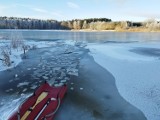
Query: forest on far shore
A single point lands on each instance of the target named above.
(79, 24)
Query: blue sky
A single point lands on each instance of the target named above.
(133, 10)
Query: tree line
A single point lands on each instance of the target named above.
(28, 23)
(76, 24)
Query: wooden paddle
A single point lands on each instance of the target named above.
(39, 99)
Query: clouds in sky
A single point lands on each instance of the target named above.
(32, 11)
(73, 5)
(44, 11)
(72, 9)
(40, 10)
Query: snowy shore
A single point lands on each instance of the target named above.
(136, 73)
(16, 53)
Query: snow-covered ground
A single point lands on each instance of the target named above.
(15, 54)
(137, 75)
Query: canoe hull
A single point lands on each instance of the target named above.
(45, 108)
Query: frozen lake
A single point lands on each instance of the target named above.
(132, 58)
(85, 36)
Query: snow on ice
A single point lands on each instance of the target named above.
(137, 75)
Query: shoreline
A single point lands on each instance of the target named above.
(127, 30)
(85, 30)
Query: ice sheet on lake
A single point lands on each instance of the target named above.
(70, 42)
(121, 51)
(137, 76)
(22, 84)
(72, 71)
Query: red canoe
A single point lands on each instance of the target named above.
(42, 105)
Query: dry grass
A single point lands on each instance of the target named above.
(136, 29)
(119, 29)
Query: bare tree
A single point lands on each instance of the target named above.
(84, 25)
(16, 39)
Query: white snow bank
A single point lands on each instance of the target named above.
(15, 56)
(137, 76)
